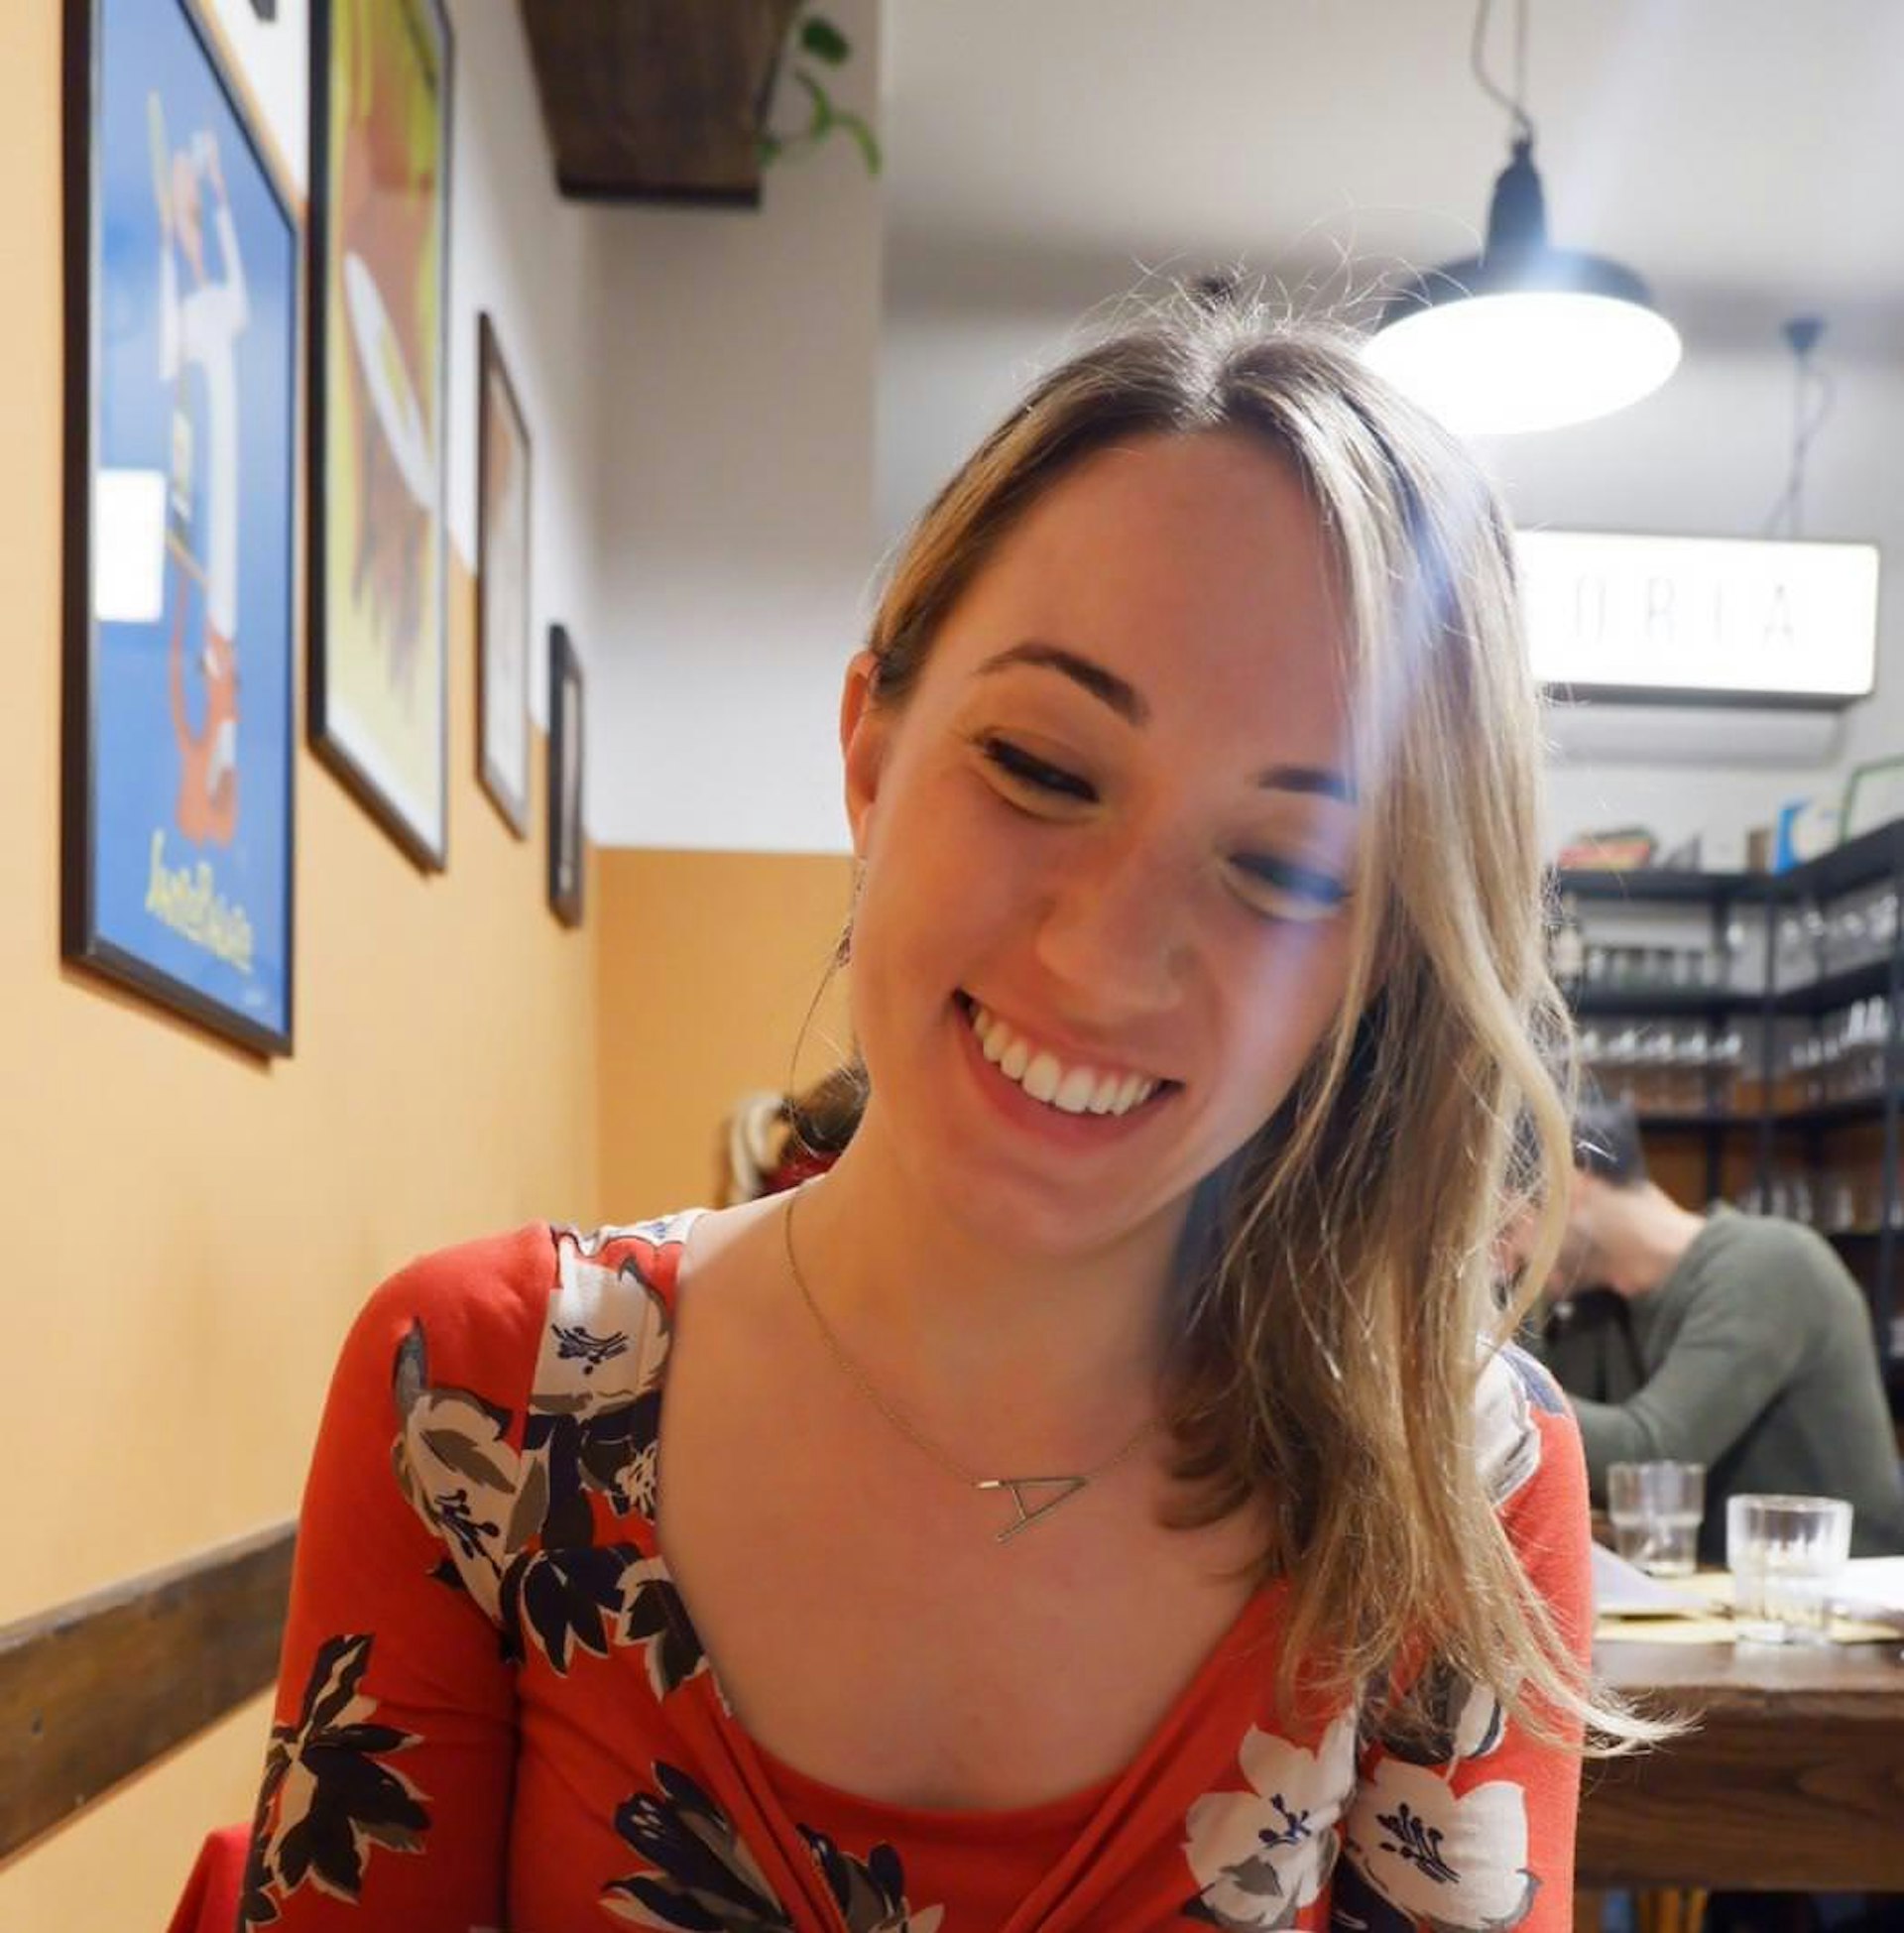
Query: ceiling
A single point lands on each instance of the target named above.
(1745, 156)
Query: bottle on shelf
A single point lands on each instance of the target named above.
(1567, 946)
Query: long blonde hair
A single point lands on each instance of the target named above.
(1338, 1284)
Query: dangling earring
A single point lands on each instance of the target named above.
(844, 951)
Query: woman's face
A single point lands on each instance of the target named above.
(1113, 830)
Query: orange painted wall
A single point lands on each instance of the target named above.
(708, 963)
(188, 1229)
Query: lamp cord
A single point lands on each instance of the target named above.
(1812, 394)
(1477, 61)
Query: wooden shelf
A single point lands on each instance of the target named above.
(657, 101)
(1649, 885)
(1608, 1002)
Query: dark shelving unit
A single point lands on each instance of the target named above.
(1873, 859)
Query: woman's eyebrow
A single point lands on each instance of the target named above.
(1121, 696)
(1129, 705)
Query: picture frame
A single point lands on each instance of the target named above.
(184, 289)
(567, 734)
(381, 89)
(1873, 796)
(504, 504)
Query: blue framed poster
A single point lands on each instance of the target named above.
(182, 305)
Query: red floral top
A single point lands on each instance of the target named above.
(494, 1711)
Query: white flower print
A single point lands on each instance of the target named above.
(1261, 1856)
(606, 1339)
(1456, 1862)
(459, 1474)
(1507, 1438)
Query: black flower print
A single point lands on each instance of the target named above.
(657, 1618)
(325, 1801)
(1354, 1906)
(564, 1597)
(605, 1452)
(703, 1875)
(1454, 1718)
(590, 1350)
(870, 1892)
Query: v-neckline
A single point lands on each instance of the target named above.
(882, 1817)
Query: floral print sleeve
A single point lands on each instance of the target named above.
(1472, 1829)
(396, 1712)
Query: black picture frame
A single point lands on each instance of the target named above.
(229, 977)
(568, 846)
(501, 661)
(347, 746)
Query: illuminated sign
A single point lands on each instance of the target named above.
(1700, 619)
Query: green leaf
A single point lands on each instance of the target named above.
(822, 39)
(823, 116)
(868, 141)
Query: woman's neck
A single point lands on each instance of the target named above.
(1011, 1356)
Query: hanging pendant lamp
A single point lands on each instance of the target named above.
(1523, 335)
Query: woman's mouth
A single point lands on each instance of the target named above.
(1057, 1086)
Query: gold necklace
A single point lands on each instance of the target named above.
(1064, 1488)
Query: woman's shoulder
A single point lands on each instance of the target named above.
(503, 1297)
(1522, 1422)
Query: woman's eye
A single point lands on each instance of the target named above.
(1285, 888)
(1020, 766)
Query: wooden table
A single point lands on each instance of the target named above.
(1793, 1781)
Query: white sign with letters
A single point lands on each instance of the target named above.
(1701, 617)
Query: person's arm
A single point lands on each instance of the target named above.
(385, 1800)
(170, 328)
(233, 262)
(1472, 1830)
(1735, 1350)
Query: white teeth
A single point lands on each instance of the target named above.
(1076, 1090)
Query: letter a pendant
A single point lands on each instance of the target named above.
(1066, 1487)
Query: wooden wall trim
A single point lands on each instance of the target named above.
(95, 1690)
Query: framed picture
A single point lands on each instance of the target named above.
(380, 96)
(183, 299)
(1873, 796)
(565, 778)
(502, 586)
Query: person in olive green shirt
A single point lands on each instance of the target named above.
(1740, 1342)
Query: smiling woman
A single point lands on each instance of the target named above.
(1102, 1498)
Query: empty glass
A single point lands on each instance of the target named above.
(1655, 1510)
(1783, 1553)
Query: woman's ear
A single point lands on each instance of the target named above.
(863, 732)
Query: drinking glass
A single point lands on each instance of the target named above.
(1783, 1553)
(1655, 1510)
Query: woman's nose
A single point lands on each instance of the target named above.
(1117, 931)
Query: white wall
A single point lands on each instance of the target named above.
(737, 368)
(273, 58)
(536, 263)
